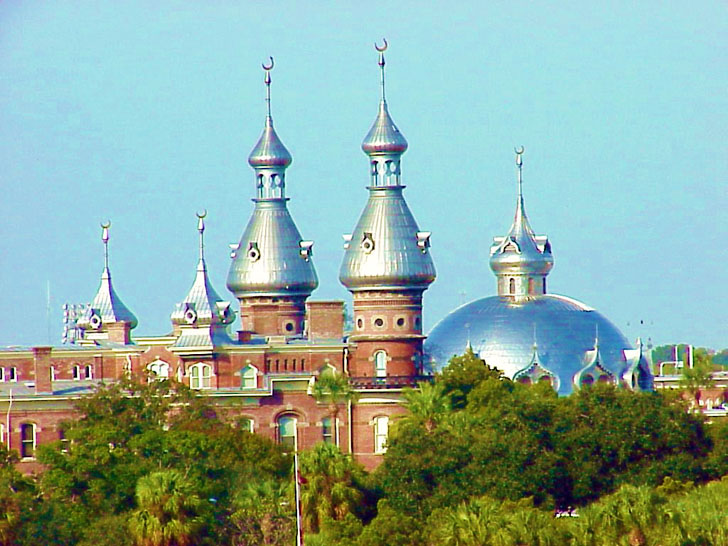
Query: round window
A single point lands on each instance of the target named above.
(359, 323)
(400, 322)
(289, 327)
(378, 322)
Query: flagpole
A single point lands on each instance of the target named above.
(299, 530)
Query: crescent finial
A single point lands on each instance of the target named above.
(520, 150)
(106, 225)
(269, 67)
(383, 48)
(202, 214)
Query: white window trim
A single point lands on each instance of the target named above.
(156, 368)
(199, 368)
(34, 428)
(380, 372)
(249, 372)
(380, 437)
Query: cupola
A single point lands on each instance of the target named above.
(107, 318)
(202, 317)
(521, 260)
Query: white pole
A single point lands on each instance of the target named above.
(299, 534)
(7, 419)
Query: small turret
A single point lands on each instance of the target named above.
(521, 260)
(272, 273)
(202, 318)
(107, 318)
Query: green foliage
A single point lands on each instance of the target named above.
(332, 486)
(464, 373)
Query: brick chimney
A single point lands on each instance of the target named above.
(325, 319)
(42, 366)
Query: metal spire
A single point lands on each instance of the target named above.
(381, 50)
(267, 80)
(520, 211)
(201, 228)
(105, 238)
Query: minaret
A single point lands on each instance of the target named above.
(107, 318)
(387, 264)
(272, 273)
(201, 320)
(521, 260)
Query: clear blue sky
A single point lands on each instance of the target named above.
(145, 112)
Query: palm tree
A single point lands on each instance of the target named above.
(264, 513)
(427, 405)
(169, 511)
(333, 389)
(330, 485)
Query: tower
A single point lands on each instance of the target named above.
(387, 264)
(521, 260)
(201, 320)
(272, 273)
(107, 318)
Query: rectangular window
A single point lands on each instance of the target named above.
(287, 432)
(327, 430)
(27, 440)
(381, 427)
(2, 374)
(13, 376)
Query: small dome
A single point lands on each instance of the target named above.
(384, 136)
(501, 332)
(269, 151)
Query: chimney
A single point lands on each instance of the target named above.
(42, 365)
(325, 319)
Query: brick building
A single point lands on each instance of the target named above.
(263, 374)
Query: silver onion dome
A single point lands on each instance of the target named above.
(501, 332)
(271, 258)
(106, 308)
(387, 250)
(269, 151)
(384, 137)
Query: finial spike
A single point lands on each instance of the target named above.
(201, 228)
(381, 50)
(105, 238)
(267, 80)
(519, 165)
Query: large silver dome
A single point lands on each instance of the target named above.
(502, 331)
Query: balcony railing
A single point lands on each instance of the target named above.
(389, 382)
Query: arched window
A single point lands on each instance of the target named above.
(249, 377)
(588, 379)
(76, 372)
(53, 373)
(327, 430)
(381, 429)
(512, 286)
(287, 436)
(27, 440)
(2, 374)
(89, 372)
(380, 364)
(13, 375)
(544, 285)
(200, 375)
(159, 369)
